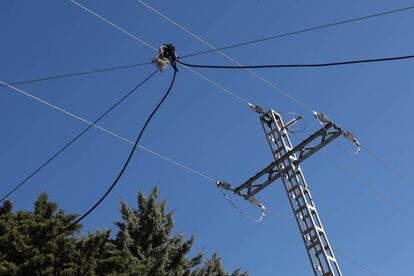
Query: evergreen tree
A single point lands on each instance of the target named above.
(143, 245)
(23, 230)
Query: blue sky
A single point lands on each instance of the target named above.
(210, 131)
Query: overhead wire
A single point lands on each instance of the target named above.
(51, 158)
(118, 136)
(370, 188)
(74, 74)
(387, 164)
(340, 252)
(229, 46)
(315, 28)
(114, 25)
(338, 63)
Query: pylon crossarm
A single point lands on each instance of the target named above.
(305, 149)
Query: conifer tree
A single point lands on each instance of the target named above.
(143, 244)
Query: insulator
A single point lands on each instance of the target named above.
(350, 137)
(224, 185)
(321, 117)
(254, 201)
(256, 108)
(293, 121)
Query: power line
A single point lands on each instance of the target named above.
(50, 159)
(371, 188)
(219, 86)
(121, 172)
(77, 117)
(350, 259)
(79, 73)
(301, 31)
(388, 165)
(114, 25)
(225, 47)
(348, 62)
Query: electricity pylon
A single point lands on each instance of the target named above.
(287, 167)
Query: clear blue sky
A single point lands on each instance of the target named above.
(210, 131)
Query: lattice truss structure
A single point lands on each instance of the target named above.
(287, 167)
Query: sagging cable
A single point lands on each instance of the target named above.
(323, 120)
(223, 186)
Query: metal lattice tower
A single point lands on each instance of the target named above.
(287, 164)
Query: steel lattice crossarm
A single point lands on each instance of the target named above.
(312, 144)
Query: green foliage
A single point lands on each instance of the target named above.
(143, 245)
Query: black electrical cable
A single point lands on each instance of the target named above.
(76, 138)
(117, 178)
(80, 73)
(297, 65)
(300, 31)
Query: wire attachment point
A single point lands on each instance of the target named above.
(224, 186)
(256, 108)
(322, 118)
(166, 55)
(350, 137)
(228, 187)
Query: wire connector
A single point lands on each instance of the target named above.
(322, 118)
(256, 202)
(256, 108)
(166, 55)
(252, 200)
(224, 186)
